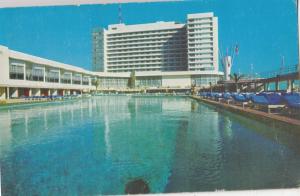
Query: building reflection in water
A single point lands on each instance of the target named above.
(228, 127)
(106, 136)
(198, 149)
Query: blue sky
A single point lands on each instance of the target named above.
(264, 29)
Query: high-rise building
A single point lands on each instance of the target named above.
(160, 46)
(202, 42)
(98, 50)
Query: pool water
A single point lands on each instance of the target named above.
(174, 144)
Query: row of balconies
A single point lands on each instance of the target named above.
(147, 58)
(146, 65)
(200, 65)
(200, 36)
(197, 40)
(161, 50)
(148, 33)
(200, 20)
(200, 49)
(160, 68)
(145, 48)
(178, 64)
(195, 57)
(201, 60)
(146, 53)
(200, 33)
(159, 36)
(148, 44)
(199, 29)
(145, 62)
(197, 44)
(148, 40)
(200, 25)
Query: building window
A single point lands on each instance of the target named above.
(66, 78)
(52, 76)
(16, 72)
(37, 74)
(85, 81)
(76, 79)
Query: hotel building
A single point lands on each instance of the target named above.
(160, 46)
(162, 54)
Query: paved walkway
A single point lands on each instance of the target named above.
(260, 115)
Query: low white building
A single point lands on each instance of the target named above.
(24, 75)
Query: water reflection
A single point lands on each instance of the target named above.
(198, 152)
(98, 145)
(228, 127)
(106, 136)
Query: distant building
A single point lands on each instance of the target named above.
(160, 46)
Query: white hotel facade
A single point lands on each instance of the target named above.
(162, 54)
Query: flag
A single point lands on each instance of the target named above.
(236, 49)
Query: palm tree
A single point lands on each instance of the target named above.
(236, 78)
(97, 84)
(193, 89)
(131, 81)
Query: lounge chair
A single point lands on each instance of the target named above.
(227, 97)
(218, 96)
(292, 101)
(269, 101)
(240, 98)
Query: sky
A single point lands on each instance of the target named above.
(265, 30)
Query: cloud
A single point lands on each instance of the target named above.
(29, 3)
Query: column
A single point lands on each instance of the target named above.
(44, 74)
(276, 85)
(15, 93)
(24, 71)
(266, 86)
(59, 76)
(7, 93)
(289, 86)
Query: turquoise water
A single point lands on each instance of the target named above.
(175, 144)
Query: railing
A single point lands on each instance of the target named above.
(271, 74)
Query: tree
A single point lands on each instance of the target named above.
(193, 89)
(131, 81)
(97, 84)
(236, 78)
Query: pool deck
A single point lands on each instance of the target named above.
(20, 101)
(9, 102)
(259, 115)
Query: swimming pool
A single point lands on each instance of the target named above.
(174, 144)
